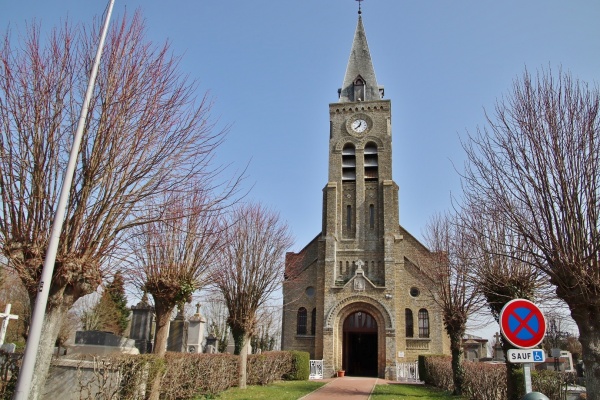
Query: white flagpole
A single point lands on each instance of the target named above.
(39, 311)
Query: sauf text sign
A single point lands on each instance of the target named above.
(517, 356)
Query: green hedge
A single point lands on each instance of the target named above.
(300, 366)
(423, 370)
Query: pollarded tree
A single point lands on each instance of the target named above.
(537, 163)
(171, 257)
(146, 133)
(250, 270)
(501, 273)
(449, 271)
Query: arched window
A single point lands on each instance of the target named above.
(371, 216)
(359, 89)
(301, 321)
(371, 162)
(313, 322)
(349, 162)
(408, 316)
(423, 323)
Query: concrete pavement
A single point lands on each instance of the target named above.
(346, 388)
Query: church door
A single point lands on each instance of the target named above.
(360, 345)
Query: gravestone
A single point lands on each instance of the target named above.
(102, 343)
(141, 325)
(212, 341)
(196, 332)
(498, 352)
(178, 333)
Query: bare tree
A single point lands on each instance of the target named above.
(537, 163)
(146, 134)
(171, 257)
(451, 285)
(501, 273)
(250, 270)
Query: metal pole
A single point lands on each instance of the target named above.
(39, 311)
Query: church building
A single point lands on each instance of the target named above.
(355, 296)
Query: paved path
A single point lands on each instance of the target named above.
(346, 388)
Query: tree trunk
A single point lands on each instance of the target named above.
(591, 359)
(589, 336)
(241, 340)
(458, 370)
(243, 372)
(513, 392)
(52, 322)
(163, 320)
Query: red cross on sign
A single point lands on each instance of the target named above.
(522, 323)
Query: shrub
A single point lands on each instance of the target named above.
(10, 364)
(182, 375)
(423, 368)
(551, 383)
(267, 367)
(190, 375)
(484, 381)
(438, 370)
(300, 366)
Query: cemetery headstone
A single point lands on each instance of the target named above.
(141, 325)
(196, 332)
(178, 333)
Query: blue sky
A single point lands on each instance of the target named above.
(272, 68)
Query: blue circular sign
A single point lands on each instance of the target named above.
(522, 323)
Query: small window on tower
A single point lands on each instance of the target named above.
(371, 216)
(359, 89)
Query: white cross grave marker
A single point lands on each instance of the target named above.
(5, 316)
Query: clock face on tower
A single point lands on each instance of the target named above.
(359, 124)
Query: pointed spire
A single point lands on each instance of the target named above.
(360, 83)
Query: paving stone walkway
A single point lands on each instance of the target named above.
(346, 388)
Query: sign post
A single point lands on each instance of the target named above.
(523, 324)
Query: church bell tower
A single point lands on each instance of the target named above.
(353, 296)
(360, 199)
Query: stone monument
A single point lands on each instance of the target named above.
(141, 325)
(196, 332)
(178, 333)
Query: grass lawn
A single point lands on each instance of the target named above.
(409, 392)
(288, 390)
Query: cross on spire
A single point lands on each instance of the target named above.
(359, 6)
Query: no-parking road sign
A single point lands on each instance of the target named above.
(522, 323)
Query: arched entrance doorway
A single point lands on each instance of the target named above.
(360, 344)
